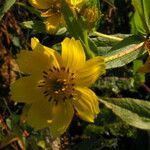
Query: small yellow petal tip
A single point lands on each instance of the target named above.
(34, 42)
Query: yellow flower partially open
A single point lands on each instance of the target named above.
(51, 10)
(57, 86)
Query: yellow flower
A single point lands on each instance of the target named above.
(51, 10)
(57, 86)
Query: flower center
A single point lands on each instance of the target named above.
(58, 84)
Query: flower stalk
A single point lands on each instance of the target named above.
(109, 37)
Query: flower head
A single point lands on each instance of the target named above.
(51, 10)
(91, 15)
(57, 86)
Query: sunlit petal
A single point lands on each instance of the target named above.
(62, 115)
(86, 104)
(90, 72)
(38, 60)
(40, 115)
(73, 55)
(56, 58)
(76, 3)
(25, 90)
(40, 4)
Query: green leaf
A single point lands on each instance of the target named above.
(103, 45)
(125, 52)
(115, 84)
(92, 46)
(140, 20)
(73, 26)
(139, 77)
(136, 65)
(16, 41)
(133, 111)
(36, 26)
(5, 7)
(30, 9)
(61, 31)
(146, 7)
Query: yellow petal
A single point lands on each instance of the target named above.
(40, 115)
(41, 4)
(62, 115)
(38, 47)
(76, 3)
(90, 72)
(25, 90)
(33, 62)
(54, 22)
(25, 110)
(146, 67)
(86, 104)
(38, 60)
(73, 55)
(49, 13)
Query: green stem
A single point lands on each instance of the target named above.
(109, 37)
(5, 102)
(88, 51)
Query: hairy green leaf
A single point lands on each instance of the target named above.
(133, 111)
(5, 7)
(124, 52)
